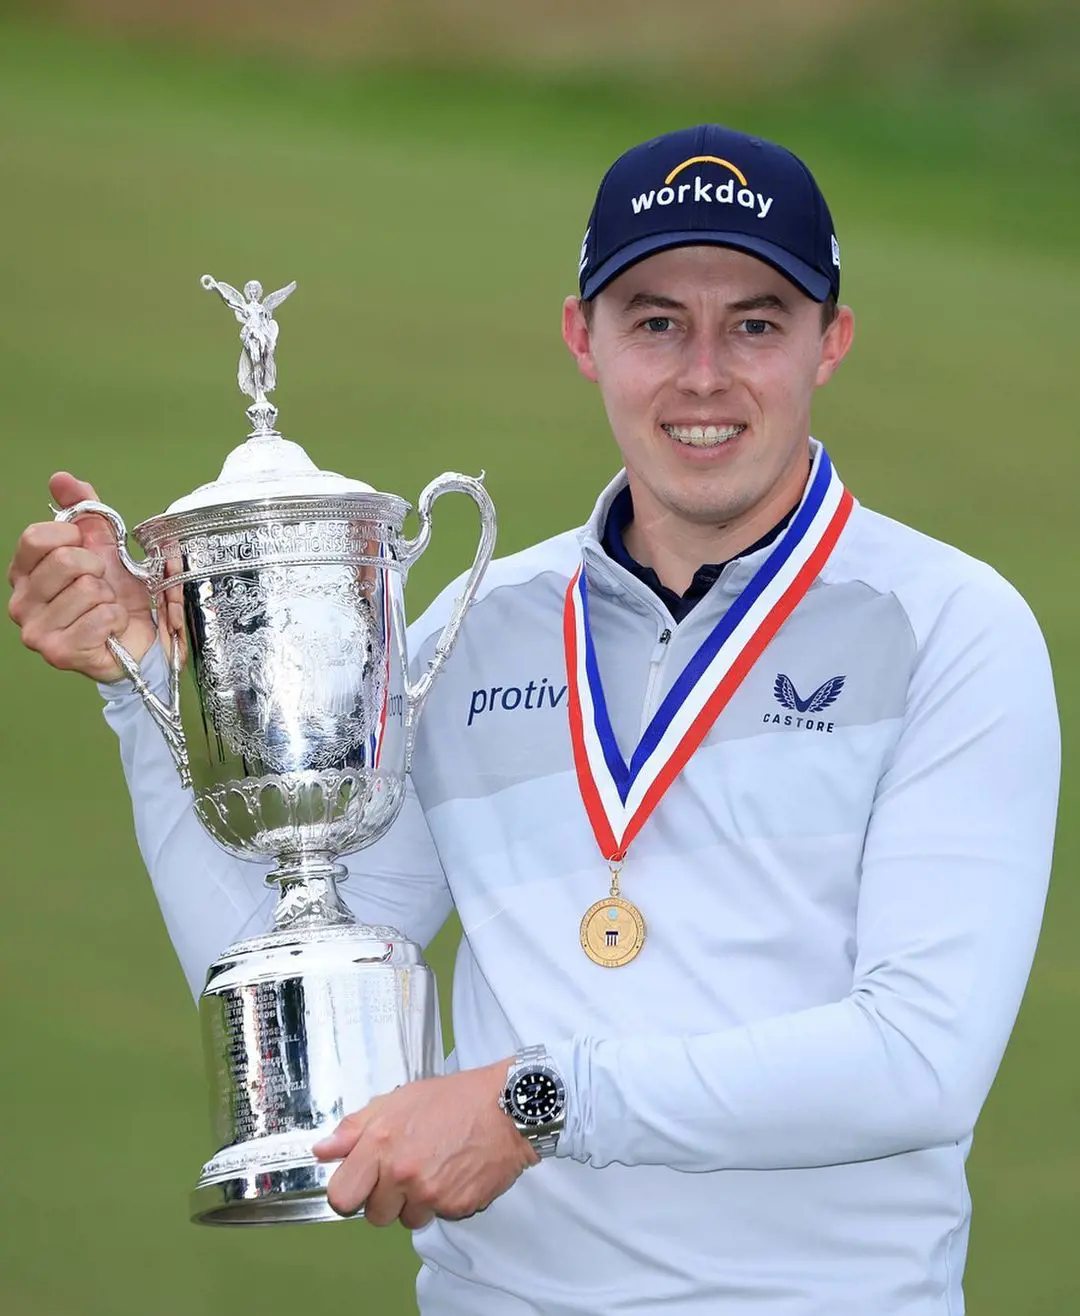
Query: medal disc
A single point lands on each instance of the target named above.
(612, 932)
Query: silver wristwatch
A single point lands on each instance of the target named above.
(535, 1099)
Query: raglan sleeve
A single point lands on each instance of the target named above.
(208, 898)
(954, 876)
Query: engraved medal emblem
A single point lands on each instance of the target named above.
(612, 932)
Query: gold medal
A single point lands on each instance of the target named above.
(612, 930)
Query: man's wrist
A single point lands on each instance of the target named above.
(534, 1097)
(154, 671)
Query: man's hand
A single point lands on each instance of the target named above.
(437, 1147)
(70, 591)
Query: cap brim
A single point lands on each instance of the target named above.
(816, 285)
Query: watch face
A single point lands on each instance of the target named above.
(537, 1096)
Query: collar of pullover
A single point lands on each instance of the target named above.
(612, 570)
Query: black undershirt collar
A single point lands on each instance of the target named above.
(619, 516)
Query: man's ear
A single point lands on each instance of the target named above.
(835, 344)
(576, 336)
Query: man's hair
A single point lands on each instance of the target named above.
(828, 312)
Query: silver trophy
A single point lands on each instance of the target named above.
(293, 722)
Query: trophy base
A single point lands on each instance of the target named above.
(301, 1027)
(292, 1196)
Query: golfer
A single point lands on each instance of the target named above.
(745, 797)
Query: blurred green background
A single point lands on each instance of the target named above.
(425, 171)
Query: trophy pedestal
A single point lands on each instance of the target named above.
(302, 1027)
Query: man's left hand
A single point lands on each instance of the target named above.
(436, 1147)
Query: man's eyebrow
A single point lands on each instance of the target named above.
(653, 301)
(764, 301)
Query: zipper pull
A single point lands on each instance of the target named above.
(665, 635)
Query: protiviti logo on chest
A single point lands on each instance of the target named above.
(511, 698)
(706, 185)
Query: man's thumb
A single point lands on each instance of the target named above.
(66, 490)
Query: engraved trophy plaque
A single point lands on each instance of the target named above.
(293, 722)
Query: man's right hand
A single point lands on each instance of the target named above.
(70, 591)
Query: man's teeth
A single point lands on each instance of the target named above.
(702, 436)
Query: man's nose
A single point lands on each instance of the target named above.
(705, 367)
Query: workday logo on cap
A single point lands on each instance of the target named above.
(699, 190)
(714, 186)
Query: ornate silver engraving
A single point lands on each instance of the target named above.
(360, 530)
(325, 812)
(261, 1156)
(311, 904)
(354, 934)
(293, 668)
(377, 516)
(330, 543)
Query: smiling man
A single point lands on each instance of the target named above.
(752, 866)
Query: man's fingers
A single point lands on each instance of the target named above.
(384, 1204)
(171, 602)
(338, 1144)
(78, 647)
(70, 592)
(89, 633)
(82, 596)
(64, 567)
(66, 490)
(416, 1217)
(174, 615)
(351, 1184)
(37, 542)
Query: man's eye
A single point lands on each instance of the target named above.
(756, 328)
(658, 324)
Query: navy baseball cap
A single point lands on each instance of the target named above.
(715, 186)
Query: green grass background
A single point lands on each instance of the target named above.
(433, 223)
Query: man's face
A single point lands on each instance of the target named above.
(707, 360)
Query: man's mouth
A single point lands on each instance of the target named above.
(703, 436)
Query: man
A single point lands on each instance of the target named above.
(745, 797)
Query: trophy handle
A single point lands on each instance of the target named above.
(166, 716)
(416, 694)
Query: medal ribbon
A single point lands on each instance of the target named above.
(620, 796)
(383, 593)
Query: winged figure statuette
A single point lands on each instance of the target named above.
(257, 373)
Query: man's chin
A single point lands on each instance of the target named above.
(713, 508)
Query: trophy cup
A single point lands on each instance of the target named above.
(293, 723)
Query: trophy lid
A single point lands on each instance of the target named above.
(266, 465)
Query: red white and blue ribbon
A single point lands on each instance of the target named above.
(620, 796)
(378, 733)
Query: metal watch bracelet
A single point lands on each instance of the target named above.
(545, 1144)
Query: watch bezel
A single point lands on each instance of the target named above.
(511, 1107)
